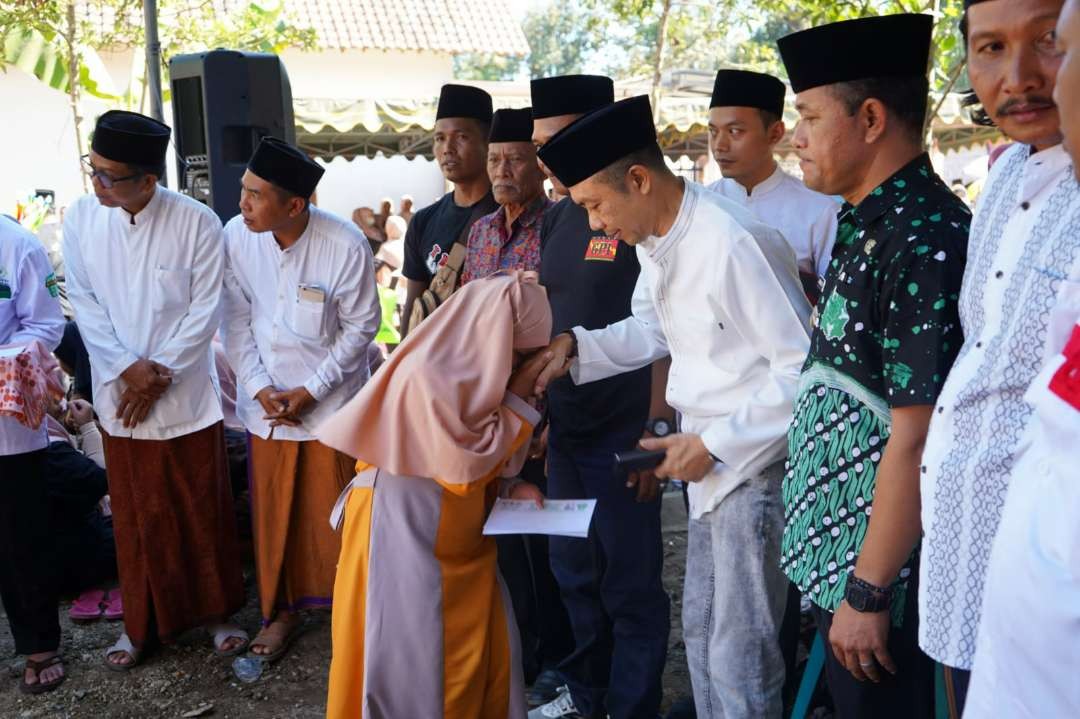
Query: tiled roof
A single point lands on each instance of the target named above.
(443, 26)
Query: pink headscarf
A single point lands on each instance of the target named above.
(435, 409)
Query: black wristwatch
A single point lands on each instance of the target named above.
(864, 597)
(660, 427)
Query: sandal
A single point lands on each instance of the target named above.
(123, 644)
(114, 605)
(294, 631)
(40, 687)
(87, 607)
(223, 633)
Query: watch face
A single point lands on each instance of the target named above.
(661, 427)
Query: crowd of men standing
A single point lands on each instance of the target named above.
(872, 396)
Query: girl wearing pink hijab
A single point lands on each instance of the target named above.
(422, 625)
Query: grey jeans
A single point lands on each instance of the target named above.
(733, 603)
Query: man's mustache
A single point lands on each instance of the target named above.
(1010, 105)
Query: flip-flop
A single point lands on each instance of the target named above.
(87, 607)
(123, 644)
(278, 653)
(114, 605)
(221, 633)
(41, 687)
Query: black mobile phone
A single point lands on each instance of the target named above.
(637, 460)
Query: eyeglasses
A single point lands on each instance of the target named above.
(107, 181)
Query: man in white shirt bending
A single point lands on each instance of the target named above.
(301, 311)
(719, 292)
(745, 124)
(144, 271)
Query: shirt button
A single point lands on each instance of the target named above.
(1025, 205)
(940, 410)
(978, 345)
(923, 469)
(999, 274)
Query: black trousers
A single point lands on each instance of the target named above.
(546, 638)
(909, 694)
(27, 587)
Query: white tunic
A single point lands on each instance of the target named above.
(29, 310)
(276, 335)
(805, 218)
(148, 289)
(1024, 238)
(721, 293)
(1029, 637)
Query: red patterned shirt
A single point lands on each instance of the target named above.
(493, 248)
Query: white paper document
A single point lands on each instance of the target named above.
(561, 517)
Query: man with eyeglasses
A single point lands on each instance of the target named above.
(144, 273)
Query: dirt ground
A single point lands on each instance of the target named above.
(188, 680)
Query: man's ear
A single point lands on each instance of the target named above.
(873, 119)
(638, 180)
(776, 132)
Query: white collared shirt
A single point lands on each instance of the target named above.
(805, 218)
(1024, 238)
(721, 293)
(278, 335)
(148, 289)
(29, 310)
(1025, 668)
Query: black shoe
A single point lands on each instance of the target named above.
(545, 689)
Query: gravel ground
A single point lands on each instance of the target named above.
(188, 680)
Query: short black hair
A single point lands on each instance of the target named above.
(157, 169)
(285, 196)
(905, 97)
(650, 156)
(768, 118)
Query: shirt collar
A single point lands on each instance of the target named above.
(658, 245)
(533, 211)
(145, 214)
(917, 172)
(1041, 169)
(769, 184)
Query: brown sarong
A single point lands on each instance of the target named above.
(293, 489)
(175, 531)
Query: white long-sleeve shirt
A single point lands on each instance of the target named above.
(276, 335)
(805, 218)
(29, 310)
(720, 292)
(148, 288)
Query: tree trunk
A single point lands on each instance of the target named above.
(73, 88)
(658, 67)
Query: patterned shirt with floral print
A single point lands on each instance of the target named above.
(493, 248)
(886, 332)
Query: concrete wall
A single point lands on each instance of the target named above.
(363, 182)
(368, 74)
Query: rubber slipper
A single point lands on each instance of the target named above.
(41, 687)
(114, 605)
(87, 607)
(123, 644)
(221, 633)
(278, 653)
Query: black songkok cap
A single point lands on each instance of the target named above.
(570, 95)
(511, 126)
(599, 139)
(871, 47)
(281, 164)
(739, 88)
(129, 137)
(464, 101)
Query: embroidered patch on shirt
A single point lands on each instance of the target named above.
(1066, 381)
(52, 285)
(602, 248)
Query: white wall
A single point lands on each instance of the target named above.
(366, 74)
(363, 182)
(37, 141)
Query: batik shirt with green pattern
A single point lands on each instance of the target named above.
(886, 332)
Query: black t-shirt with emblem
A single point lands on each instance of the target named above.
(435, 229)
(590, 280)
